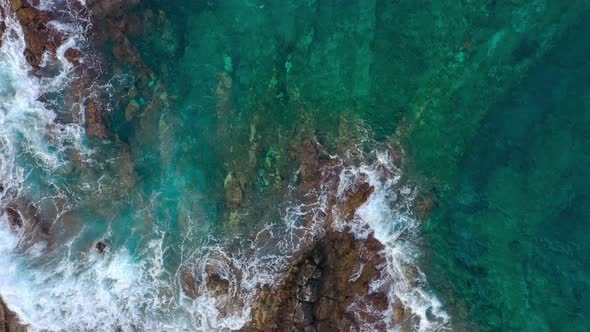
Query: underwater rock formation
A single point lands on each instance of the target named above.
(94, 123)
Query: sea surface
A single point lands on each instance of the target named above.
(488, 100)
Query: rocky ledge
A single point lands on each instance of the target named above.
(9, 322)
(321, 287)
(38, 36)
(327, 287)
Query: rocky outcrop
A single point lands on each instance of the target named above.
(327, 287)
(39, 37)
(9, 322)
(354, 197)
(322, 286)
(41, 40)
(23, 214)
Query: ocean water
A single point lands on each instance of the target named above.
(488, 99)
(508, 242)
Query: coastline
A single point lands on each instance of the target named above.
(9, 322)
(325, 267)
(194, 160)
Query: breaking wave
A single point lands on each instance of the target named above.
(67, 289)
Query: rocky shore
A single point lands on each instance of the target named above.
(327, 287)
(328, 279)
(9, 322)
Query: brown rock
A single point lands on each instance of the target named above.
(9, 322)
(321, 285)
(188, 284)
(123, 50)
(38, 37)
(424, 205)
(16, 5)
(73, 55)
(22, 213)
(94, 124)
(355, 197)
(224, 95)
(401, 314)
(310, 163)
(131, 109)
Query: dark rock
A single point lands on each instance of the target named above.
(2, 29)
(101, 246)
(14, 218)
(73, 55)
(310, 164)
(216, 283)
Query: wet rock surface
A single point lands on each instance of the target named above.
(320, 290)
(39, 37)
(327, 285)
(9, 322)
(189, 284)
(2, 29)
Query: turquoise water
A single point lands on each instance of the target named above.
(509, 241)
(489, 99)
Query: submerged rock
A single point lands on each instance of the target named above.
(234, 191)
(216, 283)
(95, 126)
(188, 284)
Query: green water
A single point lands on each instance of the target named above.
(509, 239)
(489, 98)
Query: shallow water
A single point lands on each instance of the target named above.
(509, 241)
(488, 99)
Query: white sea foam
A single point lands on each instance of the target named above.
(27, 126)
(386, 215)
